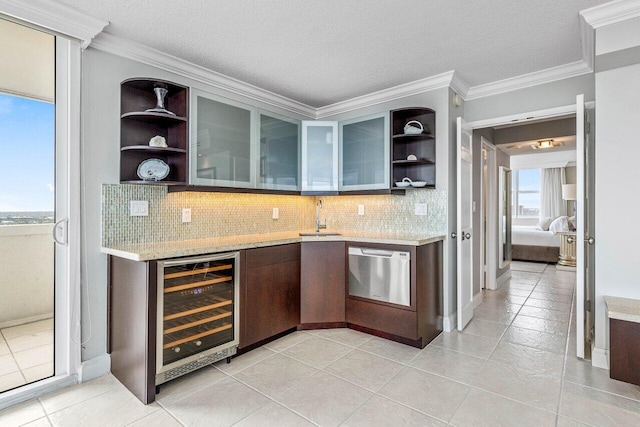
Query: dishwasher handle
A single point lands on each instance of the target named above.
(377, 253)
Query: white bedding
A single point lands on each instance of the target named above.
(531, 236)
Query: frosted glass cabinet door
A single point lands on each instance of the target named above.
(279, 150)
(221, 143)
(319, 156)
(364, 153)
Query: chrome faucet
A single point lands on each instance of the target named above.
(318, 225)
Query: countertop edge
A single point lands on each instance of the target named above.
(626, 309)
(201, 250)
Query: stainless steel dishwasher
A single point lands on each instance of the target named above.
(381, 275)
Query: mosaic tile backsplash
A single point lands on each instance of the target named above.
(228, 214)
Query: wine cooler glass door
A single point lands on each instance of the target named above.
(197, 307)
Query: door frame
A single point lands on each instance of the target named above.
(67, 298)
(488, 240)
(522, 118)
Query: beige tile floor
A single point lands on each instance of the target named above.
(514, 365)
(26, 353)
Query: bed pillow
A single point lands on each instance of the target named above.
(544, 224)
(559, 224)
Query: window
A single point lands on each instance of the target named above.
(525, 194)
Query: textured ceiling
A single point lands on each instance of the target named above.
(322, 52)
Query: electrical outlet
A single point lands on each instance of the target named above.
(186, 215)
(276, 213)
(421, 209)
(361, 210)
(139, 208)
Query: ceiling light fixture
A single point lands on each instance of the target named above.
(543, 144)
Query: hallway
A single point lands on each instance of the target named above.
(514, 365)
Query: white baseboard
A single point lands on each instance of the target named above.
(449, 323)
(94, 368)
(600, 358)
(477, 299)
(503, 278)
(24, 320)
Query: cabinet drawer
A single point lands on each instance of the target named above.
(272, 255)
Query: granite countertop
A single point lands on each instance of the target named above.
(623, 308)
(162, 250)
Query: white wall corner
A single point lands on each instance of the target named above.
(155, 58)
(450, 322)
(55, 16)
(94, 368)
(611, 13)
(600, 358)
(386, 95)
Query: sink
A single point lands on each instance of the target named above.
(320, 233)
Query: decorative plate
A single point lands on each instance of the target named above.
(153, 170)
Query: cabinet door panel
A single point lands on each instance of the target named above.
(221, 143)
(364, 153)
(279, 138)
(319, 156)
(322, 287)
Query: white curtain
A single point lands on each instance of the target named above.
(551, 201)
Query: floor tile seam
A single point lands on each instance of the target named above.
(512, 399)
(389, 358)
(287, 347)
(486, 336)
(542, 318)
(74, 404)
(364, 388)
(324, 366)
(449, 378)
(412, 408)
(462, 352)
(459, 405)
(520, 369)
(276, 395)
(340, 342)
(544, 332)
(157, 409)
(632, 400)
(248, 366)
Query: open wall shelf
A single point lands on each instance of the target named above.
(422, 146)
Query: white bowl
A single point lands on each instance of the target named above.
(402, 184)
(418, 184)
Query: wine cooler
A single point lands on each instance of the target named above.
(198, 317)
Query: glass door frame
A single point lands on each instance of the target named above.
(67, 280)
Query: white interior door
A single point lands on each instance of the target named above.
(580, 226)
(464, 228)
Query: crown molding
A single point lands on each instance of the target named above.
(146, 55)
(588, 38)
(385, 95)
(459, 85)
(611, 13)
(56, 17)
(523, 81)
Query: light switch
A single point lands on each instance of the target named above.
(420, 209)
(361, 210)
(276, 213)
(186, 215)
(139, 208)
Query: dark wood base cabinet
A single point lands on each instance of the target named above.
(132, 325)
(269, 293)
(417, 324)
(624, 355)
(322, 284)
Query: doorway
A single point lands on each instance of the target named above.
(38, 242)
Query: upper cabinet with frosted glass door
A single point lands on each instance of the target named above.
(279, 152)
(364, 153)
(319, 156)
(222, 142)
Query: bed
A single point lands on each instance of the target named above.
(529, 243)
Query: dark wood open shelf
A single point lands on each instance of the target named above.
(156, 149)
(414, 162)
(411, 136)
(138, 126)
(147, 116)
